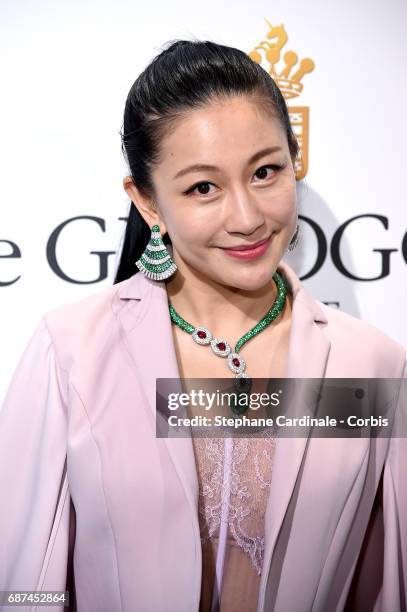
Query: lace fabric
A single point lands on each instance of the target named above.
(234, 476)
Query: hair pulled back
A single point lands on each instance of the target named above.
(185, 76)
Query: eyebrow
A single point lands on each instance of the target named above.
(201, 167)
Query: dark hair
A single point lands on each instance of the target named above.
(184, 76)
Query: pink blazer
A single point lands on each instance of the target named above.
(82, 474)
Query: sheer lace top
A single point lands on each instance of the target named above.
(234, 476)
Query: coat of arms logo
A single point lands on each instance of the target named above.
(288, 75)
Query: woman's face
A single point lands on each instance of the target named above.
(247, 194)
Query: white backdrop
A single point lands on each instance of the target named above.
(66, 71)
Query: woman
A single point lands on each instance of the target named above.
(129, 521)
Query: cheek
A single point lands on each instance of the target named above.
(189, 230)
(281, 205)
(196, 221)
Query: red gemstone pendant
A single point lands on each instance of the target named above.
(220, 347)
(236, 363)
(201, 335)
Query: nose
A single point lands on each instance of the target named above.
(243, 214)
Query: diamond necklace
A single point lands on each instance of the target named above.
(235, 362)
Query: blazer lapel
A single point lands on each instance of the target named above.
(148, 337)
(307, 358)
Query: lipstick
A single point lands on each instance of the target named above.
(250, 253)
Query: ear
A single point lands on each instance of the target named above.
(144, 204)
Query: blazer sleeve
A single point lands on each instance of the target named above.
(394, 500)
(35, 509)
(380, 582)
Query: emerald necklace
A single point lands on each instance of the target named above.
(221, 348)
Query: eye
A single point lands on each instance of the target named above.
(191, 189)
(263, 171)
(205, 184)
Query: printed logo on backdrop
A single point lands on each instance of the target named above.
(287, 72)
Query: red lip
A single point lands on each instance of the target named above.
(251, 252)
(247, 247)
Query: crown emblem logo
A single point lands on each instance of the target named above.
(287, 71)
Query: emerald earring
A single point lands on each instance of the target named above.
(156, 262)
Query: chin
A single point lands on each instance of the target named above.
(253, 281)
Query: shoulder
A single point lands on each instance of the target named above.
(361, 341)
(356, 347)
(348, 325)
(98, 303)
(84, 324)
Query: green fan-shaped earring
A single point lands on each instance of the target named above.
(156, 261)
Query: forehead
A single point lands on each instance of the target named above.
(235, 127)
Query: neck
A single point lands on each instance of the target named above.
(225, 311)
